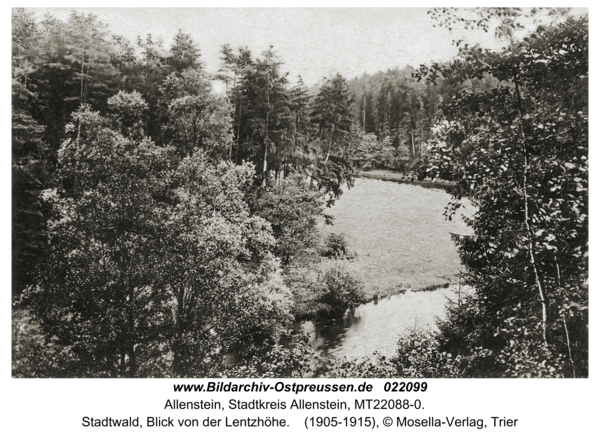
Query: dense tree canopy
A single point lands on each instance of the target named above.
(145, 238)
(152, 256)
(520, 152)
(161, 229)
(59, 66)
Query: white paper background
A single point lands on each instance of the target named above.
(55, 407)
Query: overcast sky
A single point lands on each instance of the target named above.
(312, 42)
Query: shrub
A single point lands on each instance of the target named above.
(293, 209)
(419, 356)
(329, 290)
(276, 361)
(497, 345)
(307, 291)
(33, 353)
(335, 245)
(342, 290)
(370, 367)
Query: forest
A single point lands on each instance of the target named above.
(163, 229)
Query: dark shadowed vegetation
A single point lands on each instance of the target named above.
(163, 230)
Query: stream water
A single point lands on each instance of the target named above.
(376, 326)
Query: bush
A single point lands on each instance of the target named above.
(342, 290)
(335, 246)
(329, 290)
(276, 361)
(370, 367)
(33, 354)
(293, 209)
(497, 345)
(307, 291)
(419, 356)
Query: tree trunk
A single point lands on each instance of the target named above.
(86, 83)
(82, 64)
(365, 114)
(264, 181)
(178, 332)
(237, 149)
(569, 347)
(264, 175)
(530, 234)
(132, 366)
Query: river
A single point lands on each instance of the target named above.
(401, 240)
(376, 326)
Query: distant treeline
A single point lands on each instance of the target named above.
(323, 132)
(158, 227)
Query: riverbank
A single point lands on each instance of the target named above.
(404, 256)
(377, 325)
(386, 175)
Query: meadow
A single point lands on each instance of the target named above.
(399, 235)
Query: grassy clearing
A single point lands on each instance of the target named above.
(399, 234)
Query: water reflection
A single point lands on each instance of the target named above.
(327, 335)
(376, 326)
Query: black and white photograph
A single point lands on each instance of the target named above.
(306, 193)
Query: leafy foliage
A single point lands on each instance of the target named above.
(376, 367)
(157, 267)
(395, 113)
(294, 361)
(418, 356)
(342, 290)
(161, 230)
(33, 355)
(293, 209)
(514, 137)
(29, 154)
(519, 150)
(335, 245)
